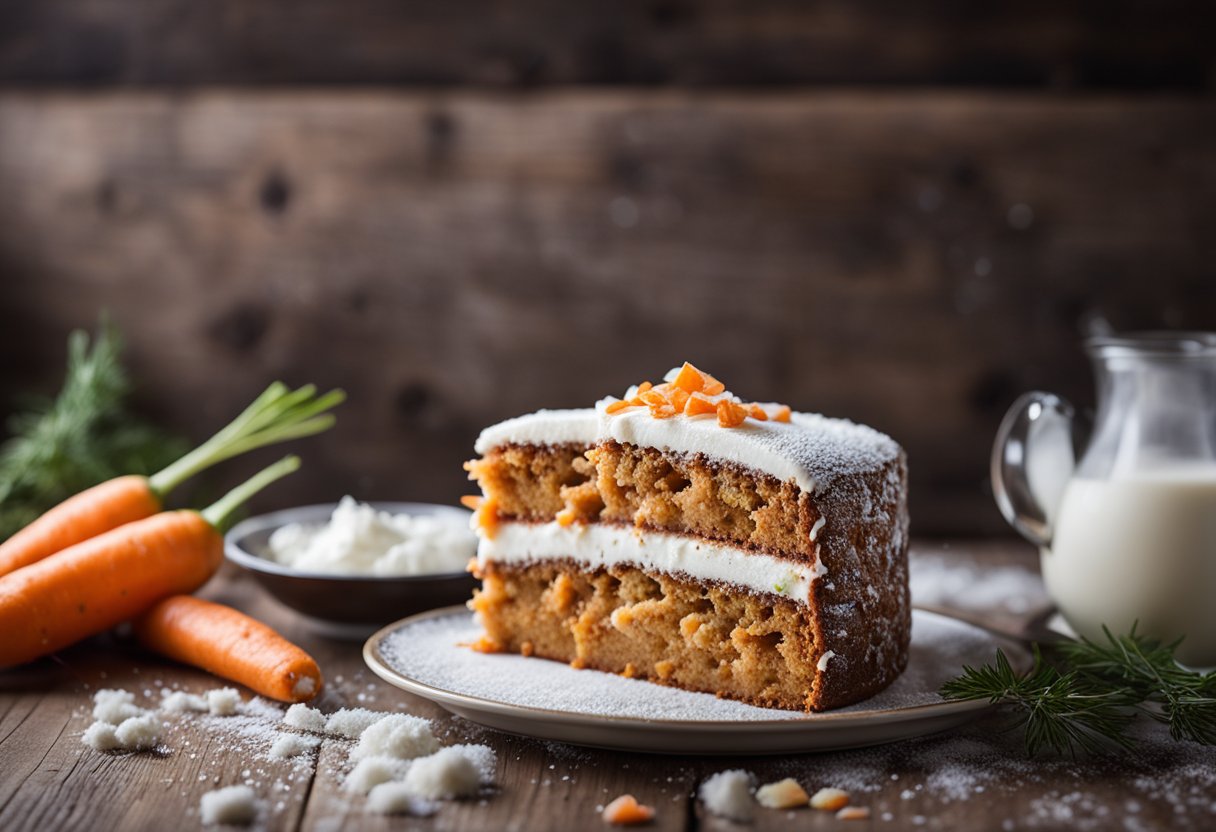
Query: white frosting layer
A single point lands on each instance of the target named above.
(809, 449)
(544, 427)
(600, 545)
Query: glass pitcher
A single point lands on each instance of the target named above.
(1127, 535)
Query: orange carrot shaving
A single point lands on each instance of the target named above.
(653, 398)
(689, 379)
(678, 398)
(626, 811)
(690, 392)
(231, 645)
(105, 580)
(711, 386)
(487, 516)
(471, 501)
(698, 405)
(730, 414)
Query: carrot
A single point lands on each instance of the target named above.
(275, 416)
(105, 580)
(231, 645)
(626, 811)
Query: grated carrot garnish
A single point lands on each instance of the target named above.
(678, 398)
(689, 379)
(730, 414)
(487, 517)
(653, 398)
(698, 404)
(564, 517)
(711, 386)
(626, 811)
(471, 501)
(691, 392)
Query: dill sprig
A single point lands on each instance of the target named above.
(1088, 696)
(1183, 699)
(84, 436)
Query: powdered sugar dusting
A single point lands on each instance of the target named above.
(430, 652)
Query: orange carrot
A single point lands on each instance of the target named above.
(88, 514)
(231, 645)
(105, 580)
(277, 415)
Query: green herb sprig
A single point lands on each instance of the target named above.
(84, 436)
(1087, 695)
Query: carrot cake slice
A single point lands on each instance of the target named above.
(684, 536)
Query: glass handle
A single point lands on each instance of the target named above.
(1033, 458)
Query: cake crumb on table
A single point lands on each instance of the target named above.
(626, 811)
(729, 794)
(784, 794)
(853, 813)
(233, 804)
(830, 799)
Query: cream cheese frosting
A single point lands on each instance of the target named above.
(810, 449)
(599, 545)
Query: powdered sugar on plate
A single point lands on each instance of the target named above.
(431, 651)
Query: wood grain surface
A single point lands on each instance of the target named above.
(1059, 45)
(913, 261)
(50, 781)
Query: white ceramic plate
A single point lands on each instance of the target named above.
(427, 655)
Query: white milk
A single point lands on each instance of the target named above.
(1140, 547)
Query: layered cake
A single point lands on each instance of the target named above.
(684, 536)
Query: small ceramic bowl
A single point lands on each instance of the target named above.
(343, 600)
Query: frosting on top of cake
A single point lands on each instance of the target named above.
(810, 449)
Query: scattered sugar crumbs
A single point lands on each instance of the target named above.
(282, 758)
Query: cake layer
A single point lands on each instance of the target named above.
(646, 488)
(601, 545)
(621, 619)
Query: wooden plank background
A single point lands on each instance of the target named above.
(461, 217)
(1061, 43)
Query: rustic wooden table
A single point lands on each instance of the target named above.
(974, 778)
